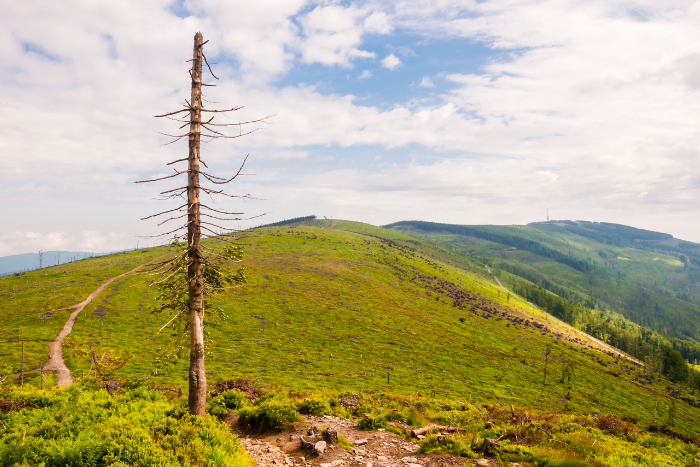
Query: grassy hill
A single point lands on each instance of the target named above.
(649, 278)
(342, 306)
(32, 301)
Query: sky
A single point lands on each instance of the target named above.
(466, 112)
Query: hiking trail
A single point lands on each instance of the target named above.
(56, 363)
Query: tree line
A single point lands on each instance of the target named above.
(667, 356)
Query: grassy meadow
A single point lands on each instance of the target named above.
(356, 308)
(31, 303)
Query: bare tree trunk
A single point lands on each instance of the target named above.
(197, 263)
(198, 377)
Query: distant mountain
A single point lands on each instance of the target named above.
(29, 261)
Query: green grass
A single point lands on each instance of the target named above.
(336, 309)
(25, 297)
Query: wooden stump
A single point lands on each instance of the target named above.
(330, 436)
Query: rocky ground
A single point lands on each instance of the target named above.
(371, 448)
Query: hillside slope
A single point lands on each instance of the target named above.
(642, 275)
(357, 307)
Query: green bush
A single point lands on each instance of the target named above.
(515, 453)
(266, 397)
(234, 399)
(452, 446)
(79, 427)
(363, 408)
(315, 405)
(370, 422)
(413, 418)
(344, 443)
(228, 401)
(339, 411)
(393, 416)
(269, 413)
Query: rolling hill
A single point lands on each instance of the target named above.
(343, 306)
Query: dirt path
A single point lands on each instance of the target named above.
(56, 363)
(571, 328)
(371, 448)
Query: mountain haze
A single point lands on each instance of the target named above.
(29, 261)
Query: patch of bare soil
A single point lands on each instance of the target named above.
(242, 384)
(371, 448)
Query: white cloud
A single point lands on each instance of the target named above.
(288, 155)
(378, 23)
(586, 109)
(333, 34)
(260, 34)
(33, 242)
(426, 82)
(366, 74)
(405, 51)
(95, 241)
(391, 62)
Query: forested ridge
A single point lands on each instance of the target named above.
(650, 324)
(510, 240)
(668, 356)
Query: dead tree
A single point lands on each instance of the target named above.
(197, 271)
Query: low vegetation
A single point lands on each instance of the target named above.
(80, 426)
(270, 412)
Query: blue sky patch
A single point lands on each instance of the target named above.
(376, 86)
(32, 48)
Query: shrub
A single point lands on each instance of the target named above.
(226, 402)
(266, 397)
(80, 427)
(272, 413)
(339, 411)
(363, 408)
(452, 446)
(413, 418)
(372, 422)
(234, 400)
(315, 405)
(515, 453)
